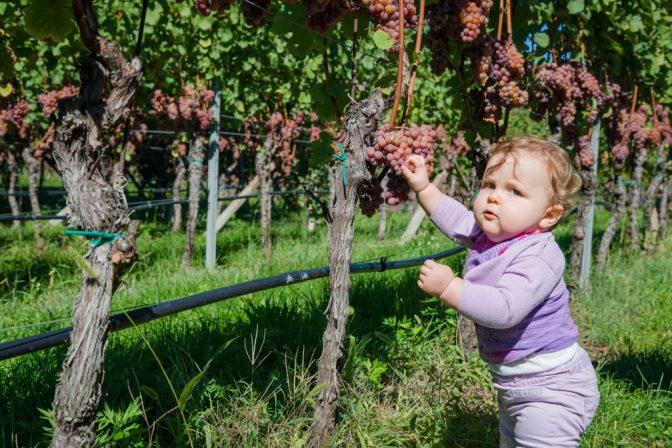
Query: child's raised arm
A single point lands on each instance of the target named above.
(451, 217)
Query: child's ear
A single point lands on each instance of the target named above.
(551, 217)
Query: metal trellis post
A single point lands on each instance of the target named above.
(590, 213)
(213, 179)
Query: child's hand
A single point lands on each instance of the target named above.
(435, 277)
(417, 178)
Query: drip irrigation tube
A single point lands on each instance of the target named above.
(146, 314)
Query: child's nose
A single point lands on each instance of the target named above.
(493, 196)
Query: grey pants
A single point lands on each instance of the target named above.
(547, 409)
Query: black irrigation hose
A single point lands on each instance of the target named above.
(146, 314)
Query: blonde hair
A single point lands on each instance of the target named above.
(564, 181)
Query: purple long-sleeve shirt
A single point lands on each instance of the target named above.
(513, 290)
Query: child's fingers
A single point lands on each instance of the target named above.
(420, 284)
(430, 264)
(416, 160)
(424, 270)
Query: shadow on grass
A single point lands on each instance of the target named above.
(470, 430)
(646, 370)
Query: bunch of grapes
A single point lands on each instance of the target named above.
(389, 152)
(255, 12)
(284, 131)
(664, 126)
(396, 190)
(499, 67)
(639, 127)
(566, 89)
(393, 146)
(385, 14)
(206, 7)
(49, 101)
(164, 105)
(620, 152)
(458, 19)
(454, 20)
(315, 6)
(616, 124)
(322, 21)
(15, 115)
(585, 155)
(370, 196)
(192, 107)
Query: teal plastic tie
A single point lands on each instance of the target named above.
(194, 160)
(627, 182)
(102, 237)
(343, 158)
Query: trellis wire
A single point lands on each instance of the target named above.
(144, 205)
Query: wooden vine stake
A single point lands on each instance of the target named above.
(361, 122)
(108, 85)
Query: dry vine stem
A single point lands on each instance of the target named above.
(360, 124)
(414, 68)
(400, 67)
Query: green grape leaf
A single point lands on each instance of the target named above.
(49, 19)
(6, 90)
(542, 39)
(636, 23)
(575, 6)
(320, 151)
(300, 41)
(385, 80)
(382, 40)
(154, 14)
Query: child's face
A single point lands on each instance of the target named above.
(512, 202)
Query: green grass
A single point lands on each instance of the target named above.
(404, 381)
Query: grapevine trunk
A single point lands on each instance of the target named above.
(196, 155)
(33, 168)
(11, 188)
(619, 195)
(180, 173)
(98, 204)
(638, 174)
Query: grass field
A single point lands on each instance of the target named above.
(251, 360)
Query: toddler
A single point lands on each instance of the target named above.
(513, 289)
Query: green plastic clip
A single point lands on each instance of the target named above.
(102, 237)
(343, 158)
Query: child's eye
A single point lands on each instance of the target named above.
(489, 185)
(515, 192)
